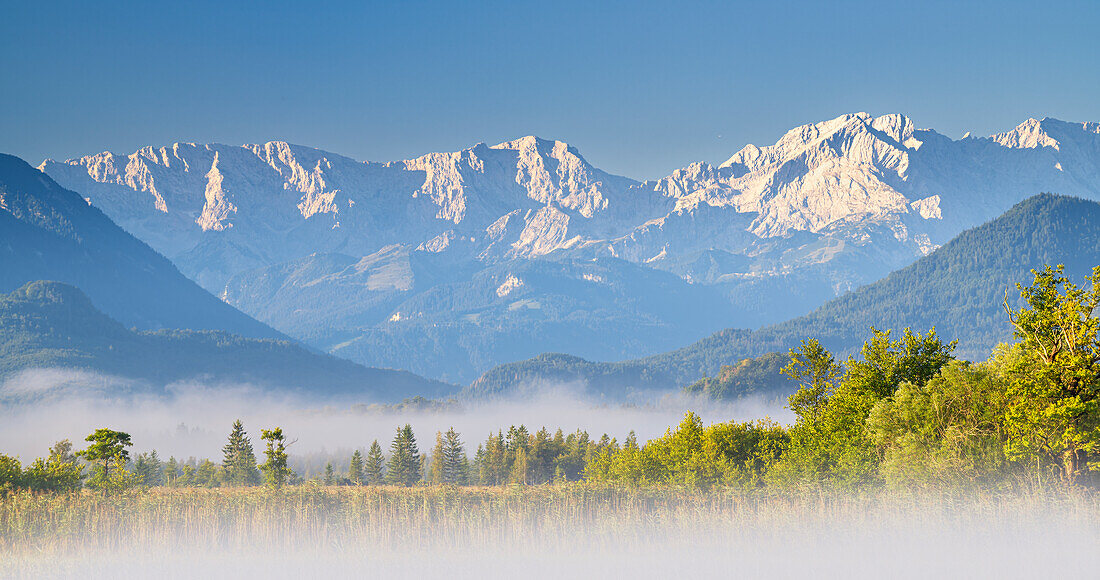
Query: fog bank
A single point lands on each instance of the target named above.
(193, 419)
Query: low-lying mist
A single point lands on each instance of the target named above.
(579, 533)
(192, 419)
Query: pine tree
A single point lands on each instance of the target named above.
(436, 470)
(330, 474)
(149, 470)
(519, 467)
(355, 469)
(403, 467)
(455, 466)
(375, 469)
(239, 460)
(171, 472)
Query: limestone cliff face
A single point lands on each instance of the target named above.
(839, 203)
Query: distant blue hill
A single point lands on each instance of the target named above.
(53, 325)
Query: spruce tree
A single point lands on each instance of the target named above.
(436, 469)
(330, 474)
(149, 470)
(375, 464)
(355, 468)
(239, 459)
(171, 472)
(455, 466)
(403, 467)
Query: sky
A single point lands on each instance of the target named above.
(640, 88)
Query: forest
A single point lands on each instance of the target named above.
(903, 413)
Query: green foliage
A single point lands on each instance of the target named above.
(449, 464)
(946, 432)
(729, 454)
(829, 440)
(330, 474)
(239, 460)
(275, 469)
(149, 470)
(817, 372)
(108, 448)
(356, 475)
(758, 376)
(403, 467)
(11, 474)
(958, 289)
(58, 472)
(375, 470)
(903, 413)
(1053, 373)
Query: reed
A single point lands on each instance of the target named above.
(39, 530)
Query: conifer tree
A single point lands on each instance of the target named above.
(403, 467)
(455, 467)
(375, 468)
(355, 468)
(330, 474)
(449, 464)
(109, 447)
(171, 472)
(149, 470)
(435, 471)
(239, 460)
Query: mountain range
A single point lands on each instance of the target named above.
(959, 289)
(451, 263)
(78, 292)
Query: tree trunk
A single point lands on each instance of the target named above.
(1073, 462)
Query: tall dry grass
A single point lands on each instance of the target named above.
(440, 528)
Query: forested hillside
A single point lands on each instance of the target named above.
(50, 233)
(53, 325)
(959, 289)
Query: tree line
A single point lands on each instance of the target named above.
(903, 412)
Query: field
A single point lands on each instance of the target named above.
(544, 531)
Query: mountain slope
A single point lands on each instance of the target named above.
(53, 325)
(959, 289)
(457, 329)
(776, 230)
(47, 232)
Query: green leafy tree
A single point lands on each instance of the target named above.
(946, 433)
(239, 459)
(59, 471)
(829, 441)
(107, 449)
(817, 371)
(356, 476)
(376, 465)
(11, 474)
(1054, 373)
(275, 469)
(403, 467)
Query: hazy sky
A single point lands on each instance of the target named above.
(640, 88)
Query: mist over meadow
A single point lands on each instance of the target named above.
(192, 419)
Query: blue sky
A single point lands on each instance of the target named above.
(641, 88)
